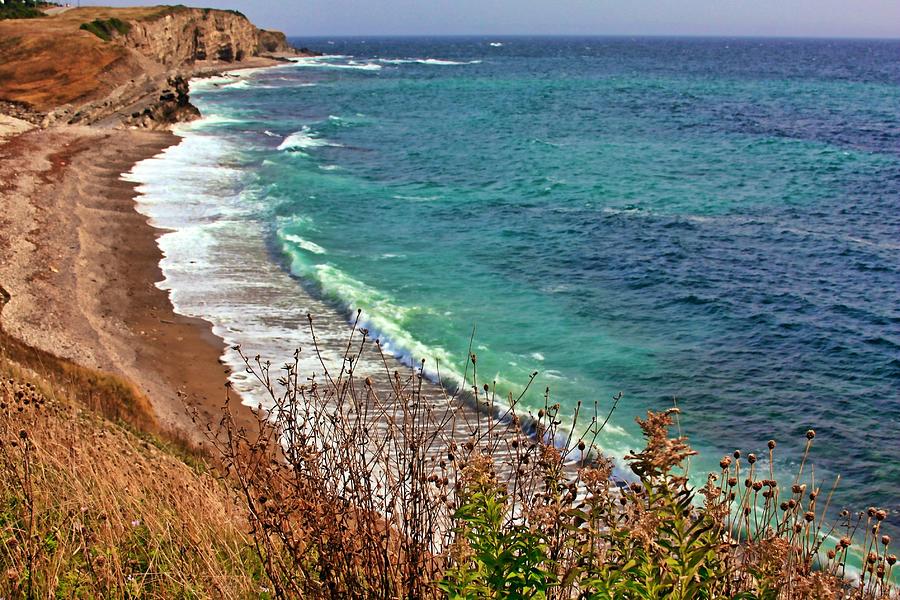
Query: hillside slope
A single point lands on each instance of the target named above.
(90, 64)
(91, 508)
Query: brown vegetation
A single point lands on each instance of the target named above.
(359, 489)
(92, 508)
(49, 62)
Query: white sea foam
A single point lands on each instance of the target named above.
(537, 356)
(304, 243)
(496, 44)
(328, 62)
(426, 61)
(206, 83)
(304, 139)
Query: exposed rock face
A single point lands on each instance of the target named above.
(136, 76)
(192, 34)
(174, 106)
(273, 41)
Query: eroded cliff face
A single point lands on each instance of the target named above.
(192, 34)
(272, 41)
(135, 75)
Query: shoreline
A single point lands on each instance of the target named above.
(82, 269)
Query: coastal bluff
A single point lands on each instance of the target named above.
(129, 66)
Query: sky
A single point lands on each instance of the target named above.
(782, 18)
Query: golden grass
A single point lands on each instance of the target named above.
(89, 509)
(50, 62)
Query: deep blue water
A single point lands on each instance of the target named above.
(715, 221)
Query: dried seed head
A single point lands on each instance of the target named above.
(737, 453)
(810, 434)
(809, 517)
(784, 506)
(845, 542)
(881, 515)
(771, 444)
(751, 458)
(831, 554)
(732, 481)
(886, 540)
(757, 485)
(891, 559)
(581, 446)
(871, 512)
(725, 462)
(871, 558)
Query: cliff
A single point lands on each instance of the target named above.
(185, 36)
(111, 66)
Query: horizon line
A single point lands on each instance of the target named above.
(600, 35)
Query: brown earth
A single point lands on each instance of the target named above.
(51, 71)
(80, 266)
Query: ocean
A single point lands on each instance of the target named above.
(708, 222)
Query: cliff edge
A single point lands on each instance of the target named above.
(112, 66)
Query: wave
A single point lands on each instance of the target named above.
(303, 243)
(426, 61)
(303, 139)
(324, 62)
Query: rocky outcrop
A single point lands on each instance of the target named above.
(173, 106)
(273, 41)
(188, 35)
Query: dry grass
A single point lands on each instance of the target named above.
(49, 62)
(89, 509)
(367, 487)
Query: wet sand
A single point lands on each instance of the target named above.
(80, 265)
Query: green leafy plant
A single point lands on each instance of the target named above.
(494, 558)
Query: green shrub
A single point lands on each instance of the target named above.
(19, 11)
(106, 29)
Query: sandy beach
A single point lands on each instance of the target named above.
(80, 265)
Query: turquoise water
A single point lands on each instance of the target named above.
(711, 221)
